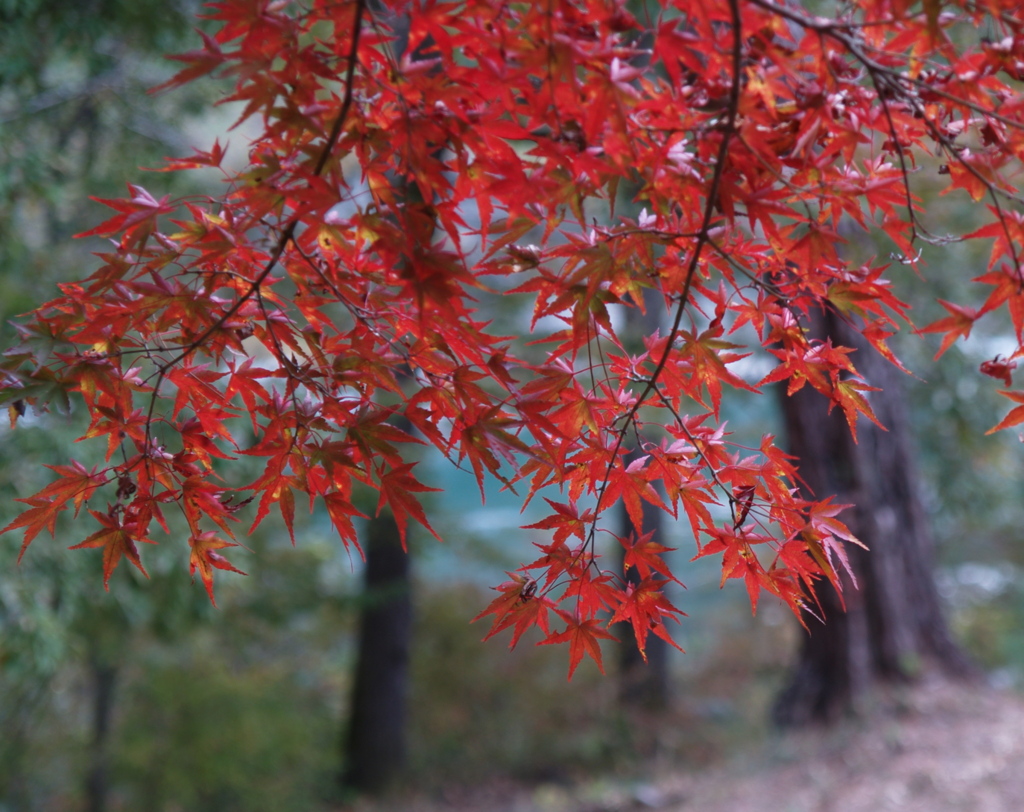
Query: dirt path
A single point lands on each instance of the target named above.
(939, 748)
(934, 748)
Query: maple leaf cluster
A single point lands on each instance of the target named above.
(414, 161)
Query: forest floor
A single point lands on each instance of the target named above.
(935, 747)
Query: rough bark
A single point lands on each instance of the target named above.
(893, 628)
(374, 742)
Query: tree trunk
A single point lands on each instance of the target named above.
(104, 681)
(893, 627)
(375, 740)
(21, 703)
(642, 684)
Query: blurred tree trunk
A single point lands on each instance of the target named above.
(893, 627)
(103, 682)
(375, 741)
(374, 744)
(642, 684)
(21, 703)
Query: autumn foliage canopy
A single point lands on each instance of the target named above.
(415, 161)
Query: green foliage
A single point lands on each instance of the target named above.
(203, 734)
(33, 31)
(76, 119)
(479, 712)
(233, 709)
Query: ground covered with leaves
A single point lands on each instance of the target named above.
(935, 747)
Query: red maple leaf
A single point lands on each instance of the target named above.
(1015, 416)
(956, 325)
(583, 637)
(646, 554)
(205, 558)
(369, 310)
(518, 605)
(117, 539)
(646, 608)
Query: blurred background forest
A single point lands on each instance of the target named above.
(145, 697)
